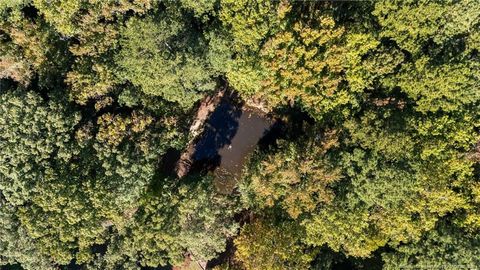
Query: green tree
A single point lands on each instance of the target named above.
(236, 43)
(414, 24)
(15, 244)
(74, 207)
(34, 134)
(172, 222)
(285, 53)
(94, 28)
(449, 87)
(385, 160)
(446, 247)
(405, 172)
(165, 56)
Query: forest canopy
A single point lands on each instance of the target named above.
(375, 164)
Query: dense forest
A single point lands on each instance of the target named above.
(374, 162)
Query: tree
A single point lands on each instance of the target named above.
(269, 244)
(415, 25)
(290, 178)
(15, 245)
(74, 207)
(69, 192)
(93, 27)
(165, 56)
(448, 87)
(304, 64)
(384, 156)
(34, 134)
(446, 247)
(405, 173)
(171, 223)
(344, 229)
(30, 47)
(237, 41)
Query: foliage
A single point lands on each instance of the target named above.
(446, 247)
(30, 47)
(298, 182)
(235, 50)
(163, 56)
(413, 25)
(304, 64)
(266, 244)
(399, 187)
(189, 219)
(94, 27)
(34, 134)
(15, 245)
(375, 152)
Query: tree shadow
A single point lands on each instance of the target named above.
(220, 128)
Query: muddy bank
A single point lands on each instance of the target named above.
(206, 107)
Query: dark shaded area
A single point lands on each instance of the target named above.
(169, 160)
(294, 120)
(30, 12)
(223, 257)
(7, 83)
(99, 248)
(219, 130)
(329, 259)
(277, 131)
(373, 263)
(11, 267)
(72, 266)
(167, 267)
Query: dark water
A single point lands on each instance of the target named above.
(230, 135)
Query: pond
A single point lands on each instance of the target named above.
(230, 134)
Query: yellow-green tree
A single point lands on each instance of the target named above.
(269, 244)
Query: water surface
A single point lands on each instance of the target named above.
(231, 133)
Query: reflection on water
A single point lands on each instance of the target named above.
(219, 130)
(231, 133)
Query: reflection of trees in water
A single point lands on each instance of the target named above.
(230, 134)
(219, 130)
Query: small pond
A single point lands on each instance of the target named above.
(230, 134)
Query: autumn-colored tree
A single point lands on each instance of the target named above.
(269, 244)
(30, 47)
(296, 181)
(95, 29)
(304, 64)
